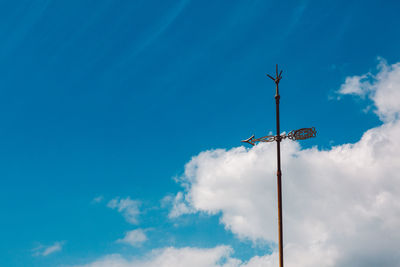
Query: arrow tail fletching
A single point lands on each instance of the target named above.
(302, 134)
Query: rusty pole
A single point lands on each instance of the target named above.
(300, 134)
(279, 172)
(278, 138)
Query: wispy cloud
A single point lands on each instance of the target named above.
(134, 238)
(44, 251)
(355, 85)
(98, 199)
(178, 205)
(127, 207)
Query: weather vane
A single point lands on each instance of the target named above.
(300, 134)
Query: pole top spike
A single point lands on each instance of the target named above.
(278, 76)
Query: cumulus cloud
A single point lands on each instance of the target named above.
(341, 206)
(134, 238)
(128, 207)
(220, 256)
(168, 257)
(42, 250)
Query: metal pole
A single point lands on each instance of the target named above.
(300, 134)
(279, 172)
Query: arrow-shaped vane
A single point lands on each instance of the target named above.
(300, 134)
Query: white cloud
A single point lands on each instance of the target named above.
(341, 206)
(383, 89)
(42, 250)
(134, 238)
(179, 205)
(355, 85)
(220, 256)
(129, 208)
(173, 257)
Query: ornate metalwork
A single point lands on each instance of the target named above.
(252, 140)
(300, 134)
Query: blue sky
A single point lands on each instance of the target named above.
(106, 101)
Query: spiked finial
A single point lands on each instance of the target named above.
(278, 76)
